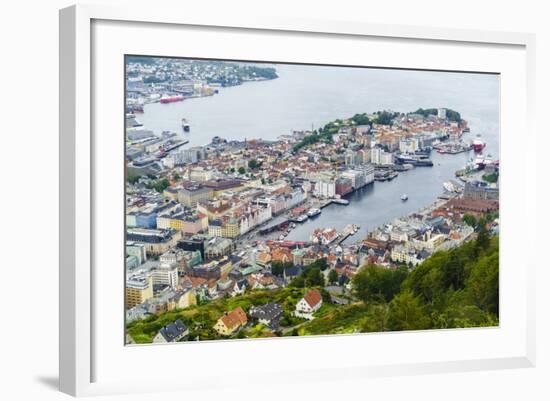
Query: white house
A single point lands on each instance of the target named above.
(309, 304)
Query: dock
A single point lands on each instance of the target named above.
(349, 230)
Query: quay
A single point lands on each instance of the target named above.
(324, 204)
(349, 230)
(176, 145)
(280, 226)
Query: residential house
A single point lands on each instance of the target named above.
(268, 314)
(239, 287)
(309, 304)
(172, 333)
(231, 322)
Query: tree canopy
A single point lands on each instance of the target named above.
(453, 288)
(378, 284)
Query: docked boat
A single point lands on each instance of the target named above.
(415, 160)
(404, 197)
(478, 145)
(313, 212)
(185, 125)
(341, 201)
(301, 218)
(171, 99)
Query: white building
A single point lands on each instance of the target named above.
(409, 145)
(201, 175)
(442, 113)
(380, 156)
(404, 254)
(254, 217)
(165, 274)
(325, 188)
(386, 158)
(309, 304)
(360, 176)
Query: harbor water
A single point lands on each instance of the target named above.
(310, 96)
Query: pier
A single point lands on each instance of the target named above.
(349, 230)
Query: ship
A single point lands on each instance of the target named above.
(171, 99)
(313, 212)
(404, 197)
(478, 145)
(301, 218)
(344, 202)
(185, 125)
(415, 160)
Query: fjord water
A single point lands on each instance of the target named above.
(306, 96)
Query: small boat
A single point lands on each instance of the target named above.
(313, 212)
(185, 125)
(341, 201)
(404, 197)
(301, 218)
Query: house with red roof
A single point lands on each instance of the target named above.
(231, 322)
(309, 304)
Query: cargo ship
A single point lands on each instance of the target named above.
(171, 99)
(478, 145)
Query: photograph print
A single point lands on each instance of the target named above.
(269, 200)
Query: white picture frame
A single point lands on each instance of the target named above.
(80, 346)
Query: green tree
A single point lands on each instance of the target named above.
(298, 282)
(376, 318)
(161, 185)
(482, 285)
(332, 276)
(242, 170)
(378, 284)
(385, 117)
(278, 267)
(132, 179)
(320, 264)
(453, 271)
(254, 164)
(470, 220)
(314, 278)
(361, 119)
(482, 241)
(406, 312)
